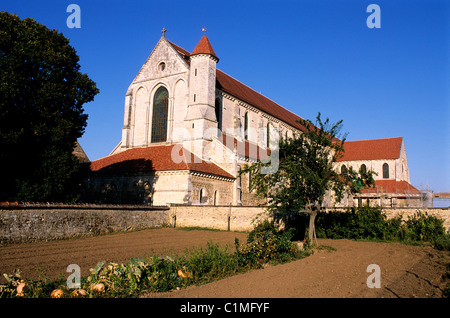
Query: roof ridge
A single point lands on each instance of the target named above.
(258, 93)
(265, 106)
(226, 74)
(347, 141)
(176, 47)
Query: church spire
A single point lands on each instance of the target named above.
(204, 47)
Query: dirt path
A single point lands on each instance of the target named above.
(406, 271)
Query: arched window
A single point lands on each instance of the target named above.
(363, 168)
(385, 171)
(268, 135)
(344, 169)
(159, 116)
(218, 110)
(246, 126)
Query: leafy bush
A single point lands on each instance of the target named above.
(371, 223)
(266, 243)
(442, 242)
(361, 223)
(423, 227)
(210, 263)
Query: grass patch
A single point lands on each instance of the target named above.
(327, 248)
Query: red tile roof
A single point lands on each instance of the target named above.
(392, 186)
(156, 158)
(244, 148)
(241, 91)
(204, 47)
(183, 53)
(388, 148)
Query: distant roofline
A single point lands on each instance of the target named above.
(377, 149)
(362, 140)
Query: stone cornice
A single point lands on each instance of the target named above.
(210, 176)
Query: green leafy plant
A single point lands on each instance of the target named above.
(372, 224)
(442, 242)
(266, 243)
(423, 227)
(12, 281)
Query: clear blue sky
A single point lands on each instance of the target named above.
(308, 56)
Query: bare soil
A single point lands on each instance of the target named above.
(54, 256)
(406, 271)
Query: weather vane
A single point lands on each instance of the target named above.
(204, 30)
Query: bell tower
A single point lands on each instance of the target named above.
(201, 119)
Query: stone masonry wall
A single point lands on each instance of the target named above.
(242, 218)
(233, 218)
(40, 223)
(37, 223)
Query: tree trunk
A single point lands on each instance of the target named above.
(312, 227)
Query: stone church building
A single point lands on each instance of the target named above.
(188, 127)
(387, 158)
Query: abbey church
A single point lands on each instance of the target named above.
(189, 127)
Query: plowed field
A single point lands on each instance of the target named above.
(405, 271)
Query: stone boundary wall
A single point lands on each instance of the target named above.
(242, 218)
(228, 218)
(28, 223)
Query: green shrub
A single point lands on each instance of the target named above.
(371, 223)
(210, 263)
(266, 243)
(423, 227)
(442, 242)
(357, 223)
